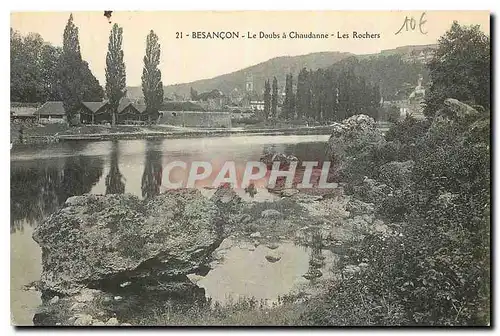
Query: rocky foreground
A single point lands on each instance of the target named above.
(105, 256)
(103, 241)
(107, 259)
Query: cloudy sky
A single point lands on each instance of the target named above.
(185, 60)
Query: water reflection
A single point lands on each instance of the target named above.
(115, 183)
(152, 176)
(38, 188)
(316, 258)
(43, 177)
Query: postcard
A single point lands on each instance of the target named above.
(250, 168)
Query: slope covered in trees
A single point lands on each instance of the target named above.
(386, 68)
(277, 67)
(390, 72)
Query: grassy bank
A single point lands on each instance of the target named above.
(56, 132)
(60, 132)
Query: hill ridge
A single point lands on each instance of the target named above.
(277, 66)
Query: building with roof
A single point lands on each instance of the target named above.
(131, 113)
(128, 112)
(23, 112)
(89, 110)
(51, 112)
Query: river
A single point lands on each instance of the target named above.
(43, 177)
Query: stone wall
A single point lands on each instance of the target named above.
(196, 119)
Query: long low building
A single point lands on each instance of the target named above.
(196, 119)
(93, 113)
(130, 113)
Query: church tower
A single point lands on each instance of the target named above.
(249, 83)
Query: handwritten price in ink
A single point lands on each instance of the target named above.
(410, 24)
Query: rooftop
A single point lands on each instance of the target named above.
(51, 108)
(94, 106)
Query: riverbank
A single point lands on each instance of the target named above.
(263, 231)
(58, 132)
(356, 250)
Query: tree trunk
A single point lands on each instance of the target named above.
(113, 118)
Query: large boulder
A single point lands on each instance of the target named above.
(457, 109)
(352, 135)
(104, 240)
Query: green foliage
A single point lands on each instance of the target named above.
(274, 99)
(33, 64)
(152, 86)
(277, 67)
(289, 103)
(460, 68)
(39, 71)
(391, 73)
(75, 80)
(393, 114)
(303, 94)
(267, 99)
(193, 94)
(363, 299)
(407, 131)
(336, 93)
(434, 267)
(115, 70)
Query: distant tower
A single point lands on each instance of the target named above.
(249, 83)
(419, 80)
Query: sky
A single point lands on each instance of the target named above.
(187, 59)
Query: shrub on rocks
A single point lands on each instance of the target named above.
(396, 174)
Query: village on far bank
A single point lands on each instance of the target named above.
(55, 96)
(214, 109)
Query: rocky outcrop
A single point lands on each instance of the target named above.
(351, 135)
(457, 109)
(269, 158)
(357, 207)
(104, 241)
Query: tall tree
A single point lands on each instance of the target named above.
(49, 68)
(267, 99)
(71, 60)
(274, 99)
(289, 103)
(152, 86)
(26, 79)
(91, 89)
(115, 71)
(75, 82)
(303, 94)
(193, 94)
(460, 68)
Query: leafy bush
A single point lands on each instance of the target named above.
(433, 269)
